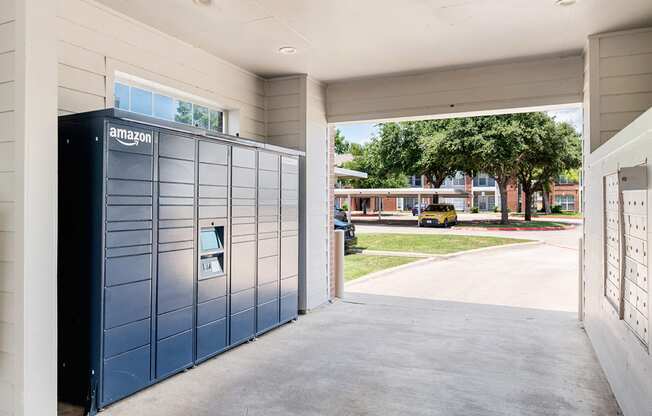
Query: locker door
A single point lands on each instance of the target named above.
(128, 267)
(242, 288)
(268, 282)
(176, 257)
(212, 302)
(289, 237)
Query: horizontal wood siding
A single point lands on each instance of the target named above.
(95, 41)
(317, 201)
(7, 207)
(626, 363)
(531, 83)
(623, 81)
(284, 104)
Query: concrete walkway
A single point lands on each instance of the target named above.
(390, 355)
(489, 333)
(531, 276)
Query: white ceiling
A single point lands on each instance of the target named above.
(341, 39)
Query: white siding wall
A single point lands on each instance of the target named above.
(626, 363)
(285, 112)
(318, 226)
(481, 88)
(296, 117)
(617, 90)
(620, 81)
(27, 208)
(7, 207)
(95, 41)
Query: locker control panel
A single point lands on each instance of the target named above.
(211, 241)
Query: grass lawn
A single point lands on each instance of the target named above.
(512, 223)
(429, 244)
(563, 214)
(358, 265)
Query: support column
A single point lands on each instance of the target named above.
(348, 203)
(36, 207)
(379, 208)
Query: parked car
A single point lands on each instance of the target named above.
(340, 214)
(415, 209)
(350, 240)
(438, 214)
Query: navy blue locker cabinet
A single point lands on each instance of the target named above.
(242, 316)
(174, 245)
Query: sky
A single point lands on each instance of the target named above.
(362, 132)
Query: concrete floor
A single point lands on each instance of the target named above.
(453, 337)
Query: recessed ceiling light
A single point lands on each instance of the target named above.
(565, 2)
(287, 50)
(202, 2)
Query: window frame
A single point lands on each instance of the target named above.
(176, 98)
(566, 201)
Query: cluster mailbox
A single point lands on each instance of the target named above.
(173, 247)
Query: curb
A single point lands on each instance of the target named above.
(427, 259)
(381, 273)
(550, 228)
(397, 253)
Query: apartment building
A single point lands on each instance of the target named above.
(483, 193)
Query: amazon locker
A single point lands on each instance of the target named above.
(175, 244)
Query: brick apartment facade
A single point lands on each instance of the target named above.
(482, 193)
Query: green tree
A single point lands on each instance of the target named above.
(563, 152)
(490, 144)
(341, 145)
(368, 159)
(539, 148)
(417, 148)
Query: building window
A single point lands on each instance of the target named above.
(164, 107)
(414, 181)
(564, 180)
(454, 181)
(482, 179)
(121, 94)
(142, 101)
(567, 202)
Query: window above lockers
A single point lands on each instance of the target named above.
(131, 96)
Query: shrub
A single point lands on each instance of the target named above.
(496, 209)
(475, 210)
(556, 209)
(345, 207)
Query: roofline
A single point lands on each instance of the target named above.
(402, 192)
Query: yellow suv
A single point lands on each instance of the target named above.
(438, 214)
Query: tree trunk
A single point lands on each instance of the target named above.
(528, 204)
(546, 200)
(504, 214)
(436, 183)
